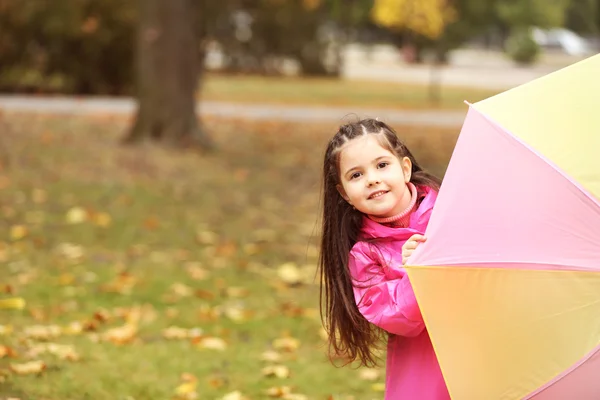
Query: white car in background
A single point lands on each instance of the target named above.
(563, 39)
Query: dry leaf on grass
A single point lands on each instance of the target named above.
(28, 368)
(237, 395)
(42, 332)
(6, 351)
(211, 343)
(13, 303)
(369, 374)
(270, 356)
(76, 215)
(288, 344)
(277, 371)
(121, 335)
(187, 389)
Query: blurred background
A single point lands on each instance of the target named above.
(160, 175)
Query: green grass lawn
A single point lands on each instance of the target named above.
(144, 269)
(334, 92)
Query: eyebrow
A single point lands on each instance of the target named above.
(357, 167)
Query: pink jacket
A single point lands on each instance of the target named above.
(385, 297)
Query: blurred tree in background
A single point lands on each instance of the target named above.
(167, 72)
(88, 46)
(72, 46)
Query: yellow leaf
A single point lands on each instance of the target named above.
(64, 352)
(18, 232)
(270, 356)
(121, 335)
(74, 328)
(369, 374)
(279, 391)
(14, 303)
(5, 330)
(237, 395)
(277, 371)
(378, 387)
(181, 290)
(212, 343)
(286, 344)
(42, 332)
(237, 292)
(28, 368)
(76, 215)
(289, 273)
(174, 332)
(296, 396)
(187, 389)
(195, 271)
(102, 219)
(206, 237)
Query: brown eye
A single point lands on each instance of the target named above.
(382, 164)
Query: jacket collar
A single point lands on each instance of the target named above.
(418, 220)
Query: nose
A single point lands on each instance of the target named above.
(373, 179)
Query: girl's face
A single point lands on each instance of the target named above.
(373, 179)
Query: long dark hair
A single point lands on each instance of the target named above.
(351, 336)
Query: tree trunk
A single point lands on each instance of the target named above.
(168, 74)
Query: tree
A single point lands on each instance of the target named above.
(168, 71)
(422, 17)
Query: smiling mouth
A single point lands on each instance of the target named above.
(377, 194)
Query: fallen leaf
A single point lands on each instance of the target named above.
(206, 237)
(236, 292)
(212, 343)
(18, 232)
(277, 371)
(5, 330)
(62, 351)
(6, 351)
(76, 215)
(187, 389)
(237, 395)
(42, 332)
(175, 332)
(270, 356)
(369, 374)
(289, 274)
(279, 391)
(28, 368)
(378, 387)
(121, 335)
(14, 303)
(289, 344)
(195, 271)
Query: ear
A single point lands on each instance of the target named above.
(406, 168)
(342, 192)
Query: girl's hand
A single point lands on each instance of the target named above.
(410, 246)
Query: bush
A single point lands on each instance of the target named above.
(521, 47)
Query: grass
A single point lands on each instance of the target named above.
(111, 246)
(330, 92)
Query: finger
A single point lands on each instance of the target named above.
(410, 245)
(418, 238)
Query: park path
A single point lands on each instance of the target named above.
(126, 106)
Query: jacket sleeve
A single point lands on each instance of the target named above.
(384, 294)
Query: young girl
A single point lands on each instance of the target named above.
(376, 206)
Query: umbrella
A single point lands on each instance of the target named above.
(508, 281)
